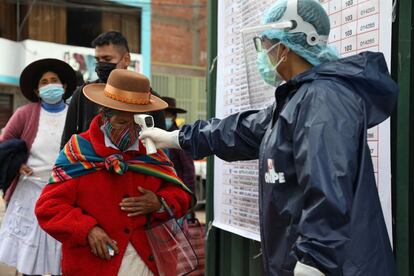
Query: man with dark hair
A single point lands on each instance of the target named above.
(111, 52)
(112, 37)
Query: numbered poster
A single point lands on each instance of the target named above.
(356, 26)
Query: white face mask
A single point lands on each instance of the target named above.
(267, 70)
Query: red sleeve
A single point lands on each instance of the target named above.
(177, 199)
(58, 215)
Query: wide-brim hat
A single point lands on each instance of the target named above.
(125, 90)
(172, 105)
(29, 78)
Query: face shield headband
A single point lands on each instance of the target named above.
(291, 22)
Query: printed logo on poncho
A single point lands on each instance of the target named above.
(271, 176)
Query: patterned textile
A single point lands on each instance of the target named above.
(78, 158)
(122, 138)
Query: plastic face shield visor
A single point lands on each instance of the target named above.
(254, 42)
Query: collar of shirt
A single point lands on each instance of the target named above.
(109, 144)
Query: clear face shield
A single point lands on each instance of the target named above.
(260, 66)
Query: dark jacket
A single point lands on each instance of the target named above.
(183, 164)
(318, 198)
(13, 153)
(81, 111)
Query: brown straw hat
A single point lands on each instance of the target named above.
(172, 105)
(125, 90)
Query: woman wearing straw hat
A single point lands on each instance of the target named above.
(104, 186)
(46, 83)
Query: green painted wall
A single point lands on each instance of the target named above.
(190, 93)
(402, 137)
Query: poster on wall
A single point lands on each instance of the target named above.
(82, 59)
(356, 26)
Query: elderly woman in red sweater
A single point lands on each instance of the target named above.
(105, 188)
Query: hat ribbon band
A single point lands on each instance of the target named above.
(126, 96)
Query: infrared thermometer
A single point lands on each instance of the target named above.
(145, 122)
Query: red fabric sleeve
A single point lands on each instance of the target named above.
(58, 216)
(177, 199)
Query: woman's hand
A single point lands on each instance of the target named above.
(26, 170)
(146, 203)
(99, 241)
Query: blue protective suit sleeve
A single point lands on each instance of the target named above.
(326, 147)
(236, 137)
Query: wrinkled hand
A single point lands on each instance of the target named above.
(99, 241)
(146, 203)
(26, 170)
(161, 138)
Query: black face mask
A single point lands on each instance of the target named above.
(103, 69)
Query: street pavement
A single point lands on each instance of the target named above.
(4, 269)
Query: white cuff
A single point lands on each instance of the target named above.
(175, 138)
(306, 270)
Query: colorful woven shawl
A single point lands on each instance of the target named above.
(79, 158)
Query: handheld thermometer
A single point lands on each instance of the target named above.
(146, 121)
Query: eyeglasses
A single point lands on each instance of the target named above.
(257, 41)
(258, 44)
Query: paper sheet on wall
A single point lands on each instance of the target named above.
(356, 26)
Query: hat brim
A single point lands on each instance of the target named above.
(175, 110)
(95, 93)
(29, 78)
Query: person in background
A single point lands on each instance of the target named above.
(319, 207)
(79, 79)
(111, 52)
(105, 189)
(183, 163)
(47, 83)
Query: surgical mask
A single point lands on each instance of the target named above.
(51, 93)
(103, 69)
(169, 122)
(121, 138)
(267, 70)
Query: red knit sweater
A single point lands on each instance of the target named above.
(69, 210)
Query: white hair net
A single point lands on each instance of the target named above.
(312, 12)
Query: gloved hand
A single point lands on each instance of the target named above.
(306, 270)
(161, 138)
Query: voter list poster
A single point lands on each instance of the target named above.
(356, 26)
